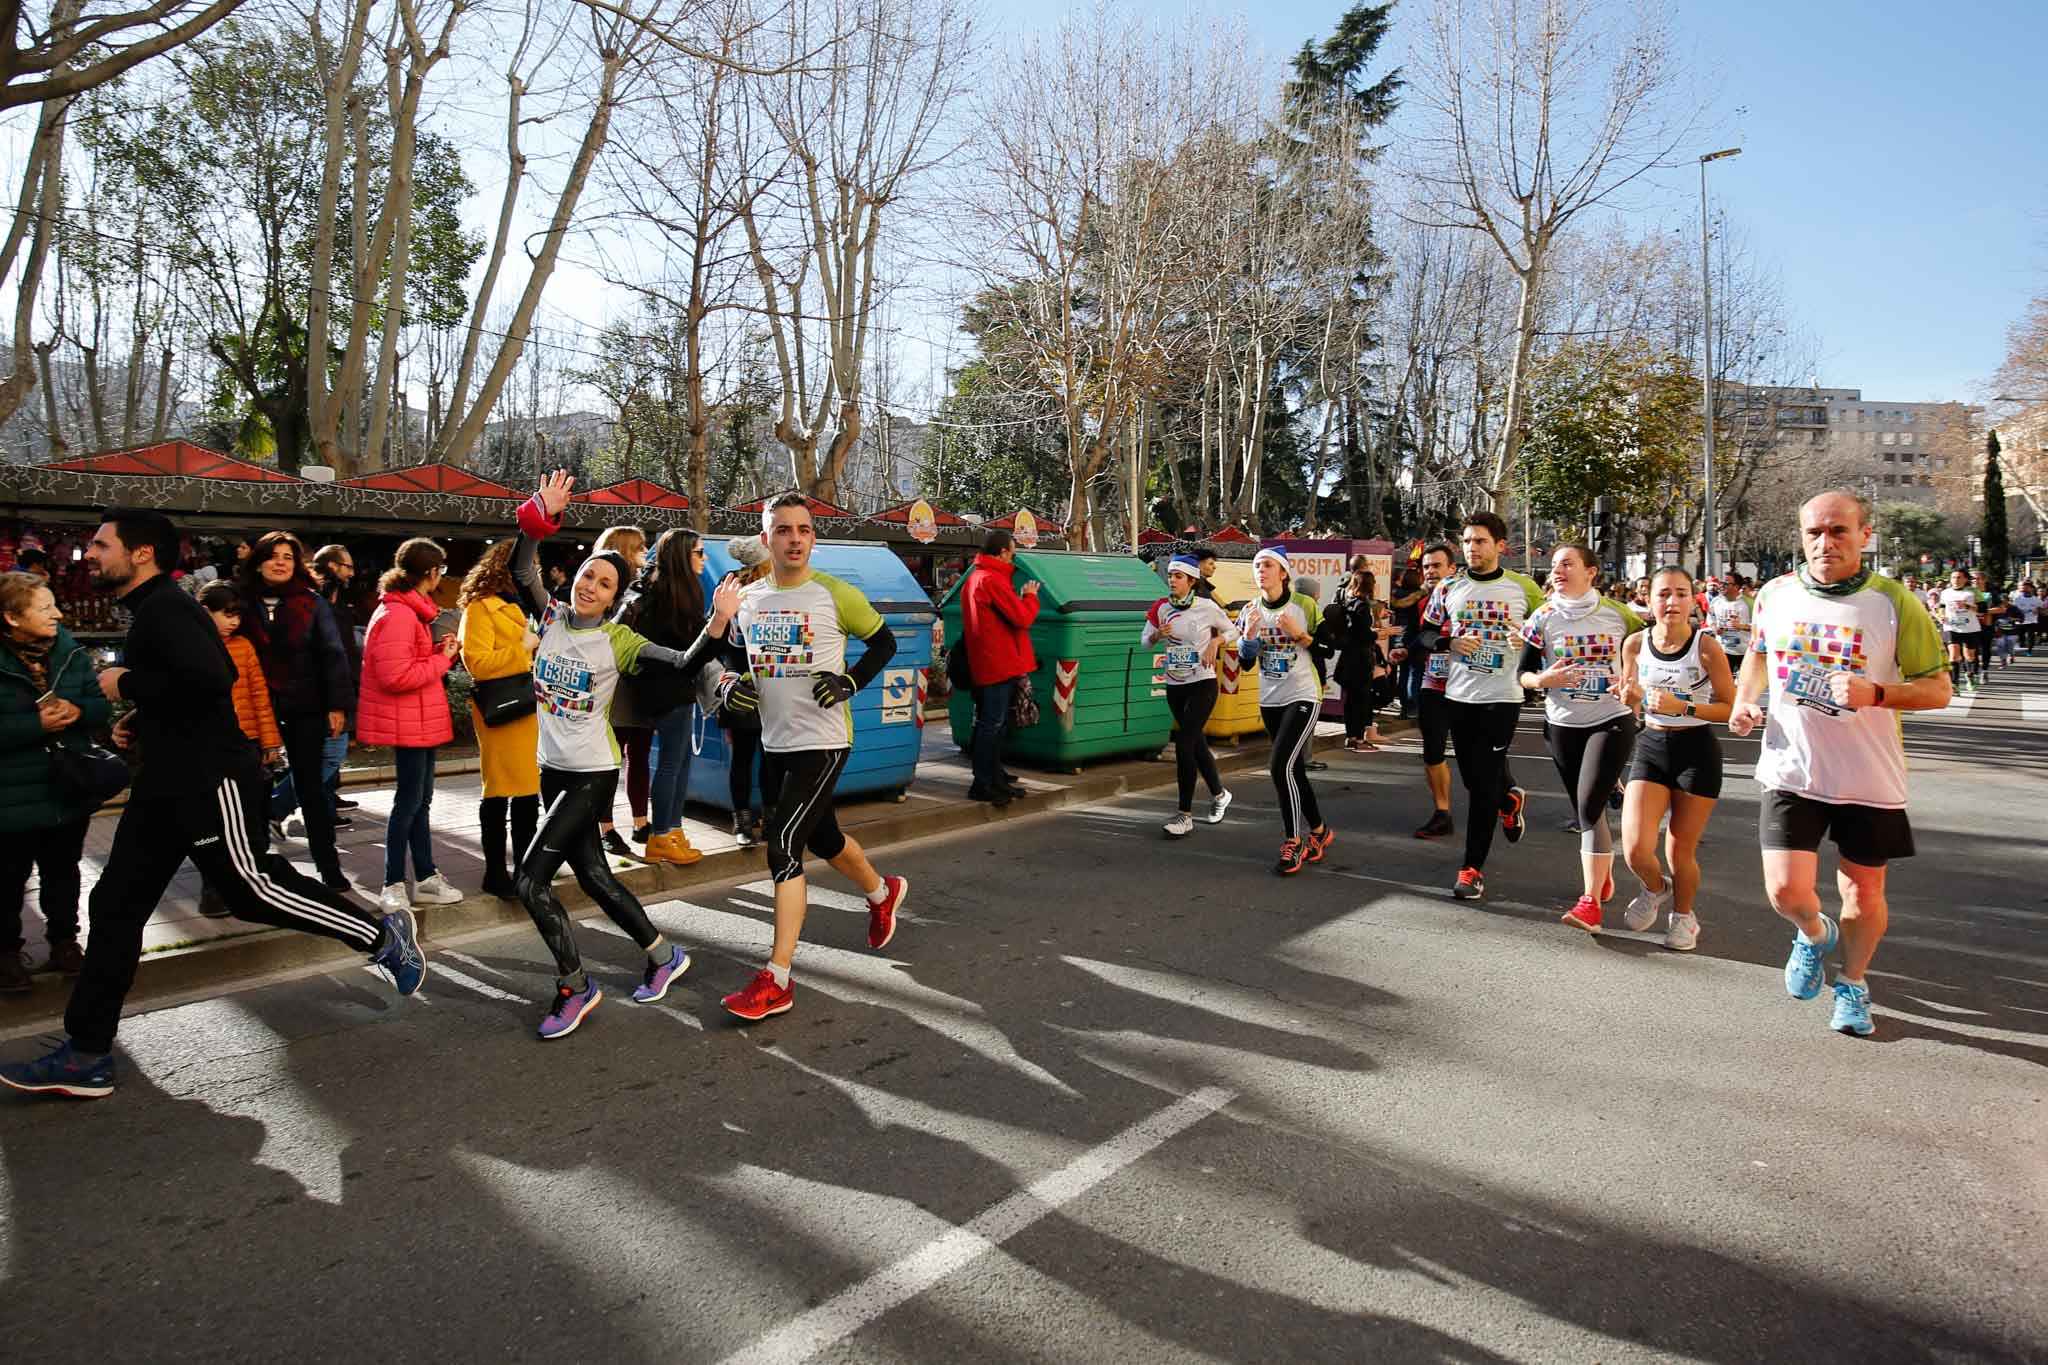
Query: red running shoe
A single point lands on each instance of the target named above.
(1512, 822)
(1319, 842)
(1471, 884)
(1292, 856)
(1585, 913)
(1607, 891)
(761, 998)
(882, 918)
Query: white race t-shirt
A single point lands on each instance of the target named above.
(1592, 643)
(1490, 610)
(1811, 746)
(1959, 611)
(1286, 673)
(2028, 606)
(793, 636)
(1188, 630)
(1728, 618)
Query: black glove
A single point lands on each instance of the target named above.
(833, 688)
(738, 693)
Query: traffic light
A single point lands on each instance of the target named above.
(1601, 534)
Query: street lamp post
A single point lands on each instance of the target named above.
(1707, 358)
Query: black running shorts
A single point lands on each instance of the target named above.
(1868, 836)
(1686, 759)
(797, 788)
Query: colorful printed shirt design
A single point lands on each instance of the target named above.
(793, 635)
(1593, 644)
(1811, 745)
(1187, 630)
(575, 677)
(1286, 673)
(1490, 610)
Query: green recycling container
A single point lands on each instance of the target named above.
(1099, 692)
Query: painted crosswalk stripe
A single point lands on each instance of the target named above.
(2034, 706)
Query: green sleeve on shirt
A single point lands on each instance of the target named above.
(626, 645)
(1311, 612)
(1530, 589)
(857, 616)
(1920, 652)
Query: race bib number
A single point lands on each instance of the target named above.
(1809, 687)
(1486, 659)
(1591, 687)
(779, 644)
(1276, 663)
(1734, 641)
(1439, 666)
(1962, 620)
(1182, 661)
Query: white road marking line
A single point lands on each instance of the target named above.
(855, 1307)
(440, 967)
(2034, 706)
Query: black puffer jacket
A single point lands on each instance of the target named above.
(304, 660)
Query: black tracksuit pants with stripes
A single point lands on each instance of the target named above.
(226, 835)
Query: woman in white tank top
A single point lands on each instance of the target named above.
(1679, 678)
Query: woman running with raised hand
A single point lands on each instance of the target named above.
(576, 670)
(1571, 649)
(1681, 677)
(1276, 628)
(1194, 629)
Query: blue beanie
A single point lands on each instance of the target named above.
(1277, 555)
(1186, 564)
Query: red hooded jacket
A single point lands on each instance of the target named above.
(402, 702)
(997, 621)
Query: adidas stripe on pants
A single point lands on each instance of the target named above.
(225, 834)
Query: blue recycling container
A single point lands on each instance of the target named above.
(888, 714)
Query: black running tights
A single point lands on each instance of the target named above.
(1191, 704)
(1591, 759)
(1293, 728)
(491, 812)
(568, 833)
(1482, 732)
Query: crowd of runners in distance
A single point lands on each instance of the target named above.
(1633, 694)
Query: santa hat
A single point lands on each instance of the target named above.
(1277, 555)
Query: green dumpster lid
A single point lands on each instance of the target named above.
(1071, 583)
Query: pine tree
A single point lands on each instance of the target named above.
(1995, 554)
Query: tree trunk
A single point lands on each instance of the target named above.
(163, 397)
(1518, 370)
(52, 419)
(41, 203)
(321, 416)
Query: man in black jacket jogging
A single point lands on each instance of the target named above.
(199, 794)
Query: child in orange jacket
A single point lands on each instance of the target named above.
(252, 691)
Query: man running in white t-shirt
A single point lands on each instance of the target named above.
(1959, 630)
(1839, 648)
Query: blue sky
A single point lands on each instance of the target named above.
(1894, 171)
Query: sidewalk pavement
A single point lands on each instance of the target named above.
(187, 953)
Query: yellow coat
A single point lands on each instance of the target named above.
(490, 636)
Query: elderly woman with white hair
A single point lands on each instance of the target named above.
(1194, 630)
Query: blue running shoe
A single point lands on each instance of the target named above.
(64, 1070)
(401, 958)
(655, 985)
(1805, 973)
(1852, 1010)
(570, 1008)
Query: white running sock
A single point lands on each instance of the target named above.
(880, 893)
(781, 975)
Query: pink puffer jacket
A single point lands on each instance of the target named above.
(401, 702)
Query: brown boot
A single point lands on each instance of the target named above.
(672, 848)
(66, 956)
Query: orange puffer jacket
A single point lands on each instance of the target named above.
(252, 694)
(401, 702)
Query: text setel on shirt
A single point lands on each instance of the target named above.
(1811, 746)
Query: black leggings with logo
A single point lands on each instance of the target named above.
(568, 833)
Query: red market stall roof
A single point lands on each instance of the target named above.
(819, 507)
(1230, 533)
(1009, 523)
(634, 493)
(1152, 537)
(432, 478)
(176, 459)
(900, 515)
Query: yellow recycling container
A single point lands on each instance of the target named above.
(1237, 694)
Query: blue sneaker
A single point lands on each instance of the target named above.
(64, 1070)
(402, 959)
(1852, 1010)
(570, 1008)
(1805, 973)
(655, 985)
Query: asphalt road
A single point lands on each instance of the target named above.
(1110, 1098)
